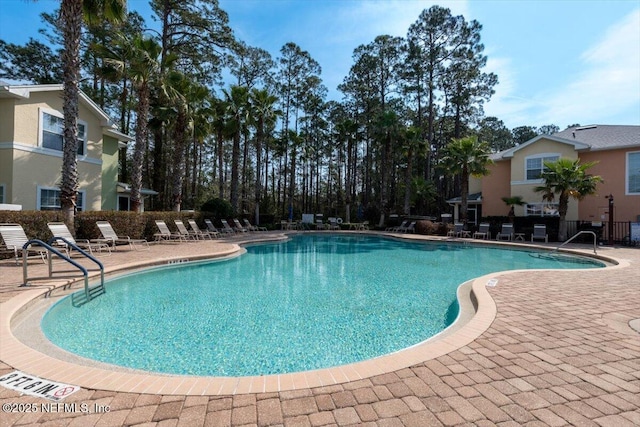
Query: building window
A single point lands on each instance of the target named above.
(52, 133)
(124, 203)
(633, 173)
(49, 200)
(1, 193)
(535, 165)
(541, 209)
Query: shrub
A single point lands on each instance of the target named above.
(217, 208)
(431, 228)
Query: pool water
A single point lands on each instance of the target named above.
(312, 302)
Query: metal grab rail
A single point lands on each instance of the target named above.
(595, 240)
(88, 292)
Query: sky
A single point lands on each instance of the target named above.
(558, 61)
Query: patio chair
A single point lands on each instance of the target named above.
(253, 227)
(456, 231)
(204, 234)
(110, 237)
(15, 238)
(483, 231)
(166, 235)
(182, 229)
(506, 232)
(60, 229)
(411, 228)
(240, 226)
(540, 233)
(227, 228)
(212, 228)
(397, 227)
(333, 224)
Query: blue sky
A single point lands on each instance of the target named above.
(558, 62)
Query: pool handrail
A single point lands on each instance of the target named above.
(89, 293)
(595, 240)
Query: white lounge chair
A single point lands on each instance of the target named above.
(540, 233)
(211, 228)
(411, 228)
(227, 228)
(183, 230)
(15, 238)
(240, 227)
(456, 231)
(397, 227)
(253, 227)
(60, 229)
(483, 231)
(166, 235)
(506, 232)
(110, 237)
(204, 234)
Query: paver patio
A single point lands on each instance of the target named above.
(560, 351)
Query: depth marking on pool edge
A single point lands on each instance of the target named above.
(34, 386)
(177, 261)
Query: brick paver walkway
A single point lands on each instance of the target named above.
(560, 352)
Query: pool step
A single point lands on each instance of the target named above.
(82, 297)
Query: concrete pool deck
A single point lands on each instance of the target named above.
(557, 351)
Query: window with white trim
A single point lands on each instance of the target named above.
(534, 165)
(49, 200)
(633, 173)
(53, 130)
(541, 209)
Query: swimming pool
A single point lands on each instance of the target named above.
(314, 301)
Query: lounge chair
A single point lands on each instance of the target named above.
(483, 231)
(253, 227)
(397, 227)
(240, 226)
(166, 235)
(60, 229)
(411, 228)
(333, 224)
(456, 231)
(183, 230)
(110, 237)
(15, 238)
(540, 233)
(227, 228)
(506, 232)
(204, 234)
(212, 228)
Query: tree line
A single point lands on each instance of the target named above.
(215, 118)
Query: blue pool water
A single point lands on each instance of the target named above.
(312, 302)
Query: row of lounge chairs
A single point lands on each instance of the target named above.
(14, 237)
(507, 232)
(405, 227)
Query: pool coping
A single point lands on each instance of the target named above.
(23, 357)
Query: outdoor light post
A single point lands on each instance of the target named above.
(610, 198)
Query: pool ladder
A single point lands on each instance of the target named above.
(78, 298)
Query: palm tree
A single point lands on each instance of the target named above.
(138, 60)
(567, 178)
(72, 13)
(237, 99)
(466, 157)
(265, 115)
(512, 202)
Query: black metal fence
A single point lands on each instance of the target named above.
(621, 230)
